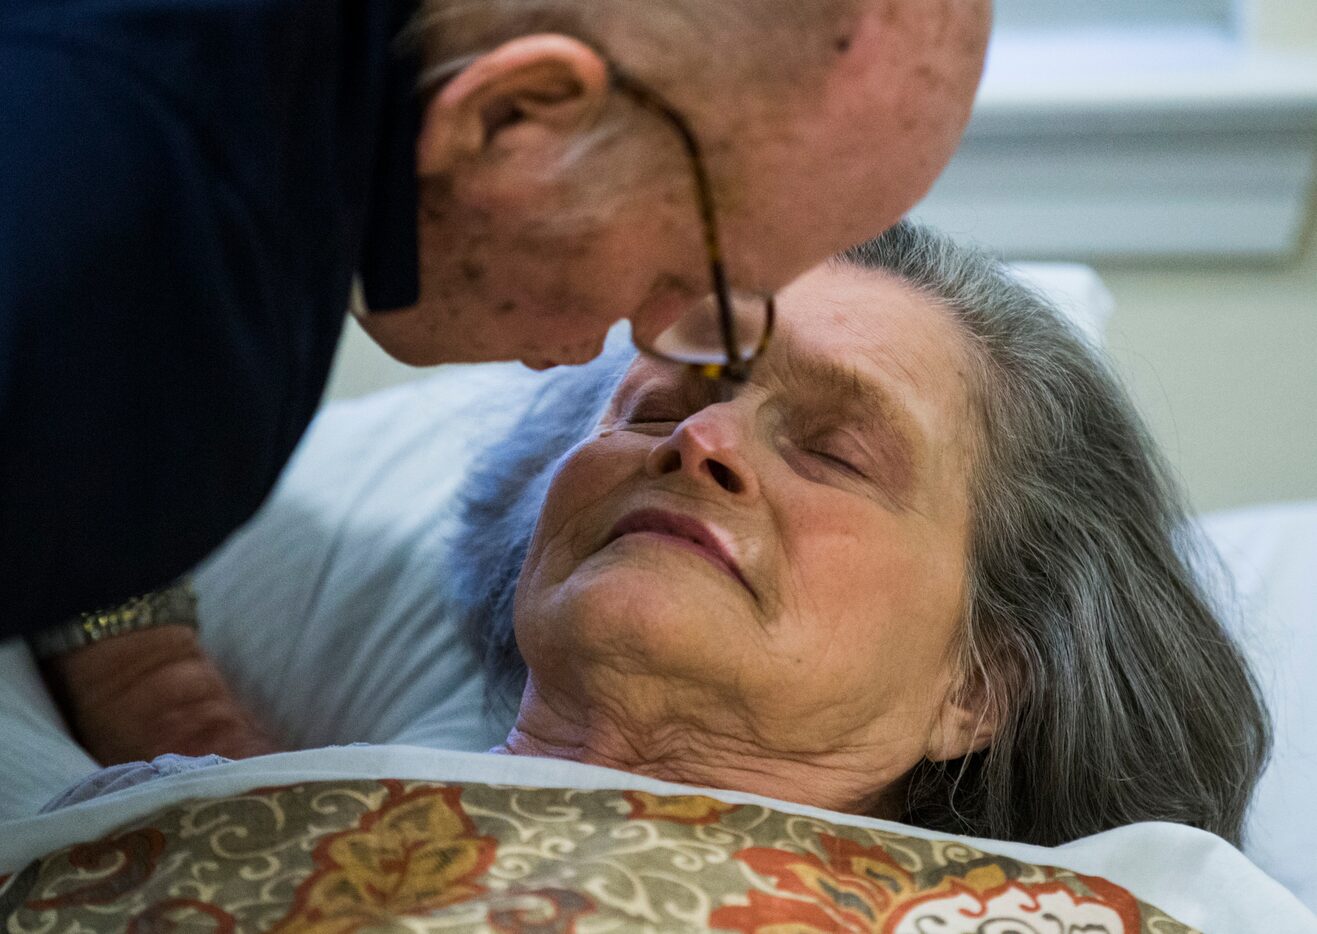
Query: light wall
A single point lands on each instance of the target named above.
(1282, 24)
(1222, 360)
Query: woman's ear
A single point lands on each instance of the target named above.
(528, 90)
(967, 722)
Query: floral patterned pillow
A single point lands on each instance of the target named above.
(420, 856)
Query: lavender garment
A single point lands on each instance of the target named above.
(127, 775)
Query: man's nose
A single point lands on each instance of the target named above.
(709, 447)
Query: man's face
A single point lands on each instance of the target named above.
(531, 251)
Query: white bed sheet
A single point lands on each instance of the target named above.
(1271, 553)
(1194, 876)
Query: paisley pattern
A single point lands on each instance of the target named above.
(338, 857)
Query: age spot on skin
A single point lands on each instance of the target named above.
(928, 76)
(472, 272)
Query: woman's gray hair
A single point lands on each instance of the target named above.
(1088, 634)
(1088, 630)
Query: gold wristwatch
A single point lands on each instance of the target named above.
(175, 605)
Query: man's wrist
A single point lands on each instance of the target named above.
(175, 605)
(150, 692)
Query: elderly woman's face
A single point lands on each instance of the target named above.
(792, 559)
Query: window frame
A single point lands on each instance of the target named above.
(1136, 143)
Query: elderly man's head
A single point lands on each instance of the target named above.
(552, 204)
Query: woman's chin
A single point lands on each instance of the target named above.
(651, 603)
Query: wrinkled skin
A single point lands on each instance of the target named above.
(826, 666)
(522, 260)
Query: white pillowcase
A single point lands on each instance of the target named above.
(1271, 553)
(329, 611)
(1078, 291)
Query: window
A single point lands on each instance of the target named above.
(1134, 128)
(1120, 14)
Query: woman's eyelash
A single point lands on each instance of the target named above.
(659, 409)
(644, 417)
(836, 461)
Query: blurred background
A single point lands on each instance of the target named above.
(1171, 145)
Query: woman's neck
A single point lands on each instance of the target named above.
(648, 740)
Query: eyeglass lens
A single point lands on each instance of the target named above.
(697, 336)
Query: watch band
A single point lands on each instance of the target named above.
(175, 605)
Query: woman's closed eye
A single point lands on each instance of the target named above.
(839, 453)
(649, 419)
(835, 451)
(655, 415)
(844, 462)
(660, 408)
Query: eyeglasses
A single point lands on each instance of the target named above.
(721, 336)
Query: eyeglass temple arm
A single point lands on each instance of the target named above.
(704, 192)
(436, 77)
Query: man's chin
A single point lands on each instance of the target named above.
(579, 357)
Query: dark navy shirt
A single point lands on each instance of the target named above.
(186, 190)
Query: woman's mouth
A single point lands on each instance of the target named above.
(682, 532)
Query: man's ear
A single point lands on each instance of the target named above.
(967, 723)
(547, 84)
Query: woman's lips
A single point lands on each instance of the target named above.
(682, 531)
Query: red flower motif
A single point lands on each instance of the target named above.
(854, 890)
(136, 852)
(861, 889)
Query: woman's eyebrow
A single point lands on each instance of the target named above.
(875, 406)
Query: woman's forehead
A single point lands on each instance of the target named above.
(868, 316)
(846, 331)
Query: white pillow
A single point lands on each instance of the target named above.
(1271, 553)
(1077, 291)
(40, 758)
(329, 611)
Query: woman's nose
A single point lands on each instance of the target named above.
(708, 448)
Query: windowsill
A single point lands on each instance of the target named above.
(1188, 72)
(1156, 145)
